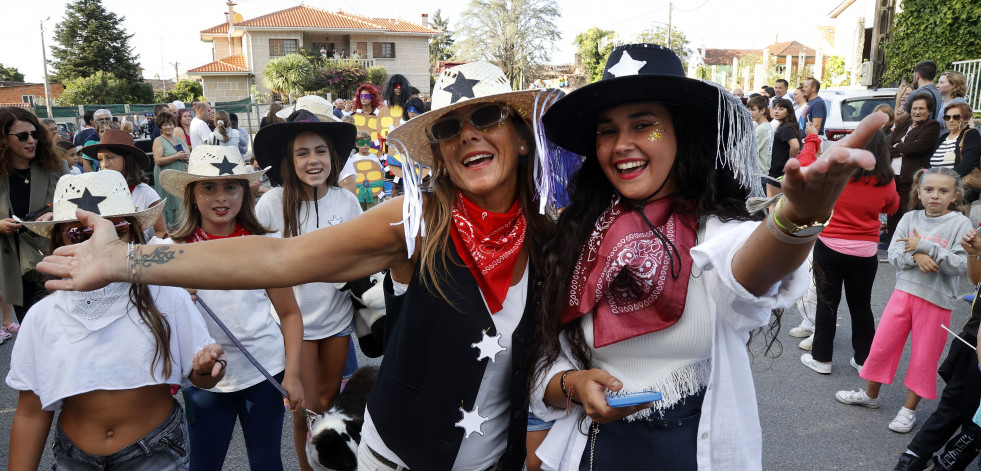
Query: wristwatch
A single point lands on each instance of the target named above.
(793, 230)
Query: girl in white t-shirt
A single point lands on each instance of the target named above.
(309, 199)
(218, 204)
(117, 151)
(106, 358)
(224, 134)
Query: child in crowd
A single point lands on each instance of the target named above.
(90, 163)
(930, 262)
(305, 156)
(117, 151)
(349, 176)
(218, 203)
(786, 143)
(69, 152)
(106, 358)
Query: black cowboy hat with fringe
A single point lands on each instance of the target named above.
(270, 142)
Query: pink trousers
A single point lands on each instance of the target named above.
(904, 314)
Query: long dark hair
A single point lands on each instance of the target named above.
(294, 191)
(390, 97)
(44, 154)
(191, 219)
(141, 298)
(882, 174)
(702, 189)
(790, 119)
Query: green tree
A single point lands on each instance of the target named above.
(594, 47)
(91, 39)
(378, 76)
(659, 35)
(923, 31)
(514, 34)
(104, 88)
(185, 90)
(10, 74)
(288, 75)
(835, 74)
(440, 46)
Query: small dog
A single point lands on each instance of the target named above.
(333, 438)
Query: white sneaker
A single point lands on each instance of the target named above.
(807, 344)
(800, 332)
(857, 398)
(810, 362)
(903, 422)
(855, 365)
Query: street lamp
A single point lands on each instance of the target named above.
(47, 85)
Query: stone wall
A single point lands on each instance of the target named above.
(411, 57)
(225, 87)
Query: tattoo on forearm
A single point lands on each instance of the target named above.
(159, 256)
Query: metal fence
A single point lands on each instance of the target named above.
(971, 69)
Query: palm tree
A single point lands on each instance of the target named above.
(288, 75)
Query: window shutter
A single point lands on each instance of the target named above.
(376, 49)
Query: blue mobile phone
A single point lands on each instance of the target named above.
(179, 147)
(633, 399)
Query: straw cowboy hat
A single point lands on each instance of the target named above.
(104, 193)
(322, 107)
(269, 145)
(463, 85)
(120, 142)
(209, 163)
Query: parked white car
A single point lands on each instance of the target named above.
(847, 107)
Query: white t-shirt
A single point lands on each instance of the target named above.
(200, 132)
(75, 342)
(233, 137)
(348, 169)
(325, 310)
(143, 196)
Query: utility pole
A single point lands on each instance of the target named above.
(670, 7)
(47, 85)
(176, 74)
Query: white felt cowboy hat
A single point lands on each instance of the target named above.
(104, 193)
(209, 163)
(322, 107)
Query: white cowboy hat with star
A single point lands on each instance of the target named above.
(104, 193)
(210, 163)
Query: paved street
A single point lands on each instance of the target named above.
(804, 428)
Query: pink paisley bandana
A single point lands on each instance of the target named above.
(624, 272)
(489, 244)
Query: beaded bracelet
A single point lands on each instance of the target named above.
(562, 382)
(130, 262)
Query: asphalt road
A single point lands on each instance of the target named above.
(804, 427)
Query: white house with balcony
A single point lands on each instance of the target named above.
(241, 48)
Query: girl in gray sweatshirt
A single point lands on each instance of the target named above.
(929, 261)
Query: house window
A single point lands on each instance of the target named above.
(27, 99)
(362, 49)
(384, 50)
(281, 47)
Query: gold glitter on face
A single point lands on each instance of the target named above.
(657, 133)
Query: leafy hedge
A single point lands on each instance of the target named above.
(944, 33)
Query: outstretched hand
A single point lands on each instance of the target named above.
(811, 192)
(89, 265)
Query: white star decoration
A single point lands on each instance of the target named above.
(627, 66)
(489, 347)
(334, 220)
(471, 422)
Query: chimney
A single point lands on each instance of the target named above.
(231, 14)
(425, 19)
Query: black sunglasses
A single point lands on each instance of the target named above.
(77, 235)
(481, 117)
(22, 136)
(948, 117)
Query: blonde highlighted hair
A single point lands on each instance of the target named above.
(957, 204)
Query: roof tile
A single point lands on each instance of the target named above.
(302, 16)
(233, 63)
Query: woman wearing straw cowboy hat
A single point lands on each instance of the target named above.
(218, 203)
(661, 273)
(106, 358)
(451, 392)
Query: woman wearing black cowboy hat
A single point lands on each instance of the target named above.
(662, 273)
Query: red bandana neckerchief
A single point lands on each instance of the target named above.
(624, 272)
(489, 244)
(200, 236)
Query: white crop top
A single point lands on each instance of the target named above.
(76, 342)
